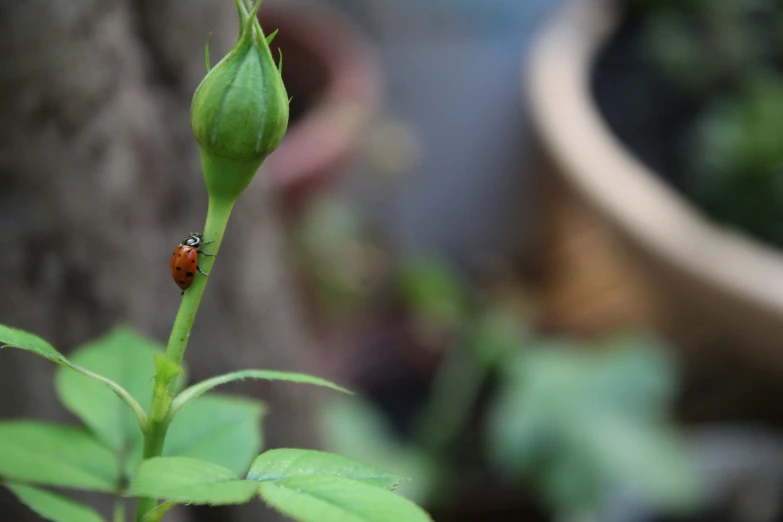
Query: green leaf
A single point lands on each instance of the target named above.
(333, 499)
(351, 426)
(329, 241)
(517, 426)
(190, 481)
(278, 464)
(124, 357)
(269, 375)
(640, 365)
(497, 336)
(734, 162)
(13, 338)
(243, 16)
(585, 421)
(625, 448)
(52, 506)
(285, 485)
(433, 291)
(157, 513)
(217, 428)
(56, 456)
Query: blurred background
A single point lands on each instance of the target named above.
(539, 238)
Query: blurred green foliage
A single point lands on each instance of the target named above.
(587, 420)
(727, 56)
(576, 421)
(334, 250)
(705, 45)
(737, 161)
(432, 292)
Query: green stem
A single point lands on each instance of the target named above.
(217, 219)
(455, 388)
(119, 510)
(218, 214)
(454, 391)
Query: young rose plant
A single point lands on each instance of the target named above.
(190, 446)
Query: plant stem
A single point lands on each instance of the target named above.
(455, 389)
(456, 386)
(218, 213)
(119, 510)
(217, 219)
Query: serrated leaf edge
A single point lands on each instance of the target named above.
(122, 393)
(201, 388)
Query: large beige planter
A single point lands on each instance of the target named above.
(726, 286)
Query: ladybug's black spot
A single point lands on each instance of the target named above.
(182, 281)
(188, 274)
(179, 268)
(179, 255)
(192, 261)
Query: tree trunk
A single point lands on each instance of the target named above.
(99, 180)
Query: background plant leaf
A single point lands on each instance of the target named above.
(332, 246)
(433, 291)
(124, 357)
(497, 335)
(52, 506)
(278, 464)
(222, 429)
(190, 481)
(353, 427)
(334, 499)
(586, 420)
(56, 455)
(269, 375)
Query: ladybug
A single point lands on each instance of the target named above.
(184, 261)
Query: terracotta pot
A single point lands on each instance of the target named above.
(333, 76)
(722, 285)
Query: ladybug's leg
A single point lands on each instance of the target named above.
(205, 254)
(200, 272)
(183, 293)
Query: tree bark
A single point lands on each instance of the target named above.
(99, 180)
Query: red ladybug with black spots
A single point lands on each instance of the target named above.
(184, 261)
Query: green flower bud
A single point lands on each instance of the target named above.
(239, 113)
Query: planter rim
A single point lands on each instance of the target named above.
(634, 198)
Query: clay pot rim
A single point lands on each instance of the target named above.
(332, 127)
(633, 198)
